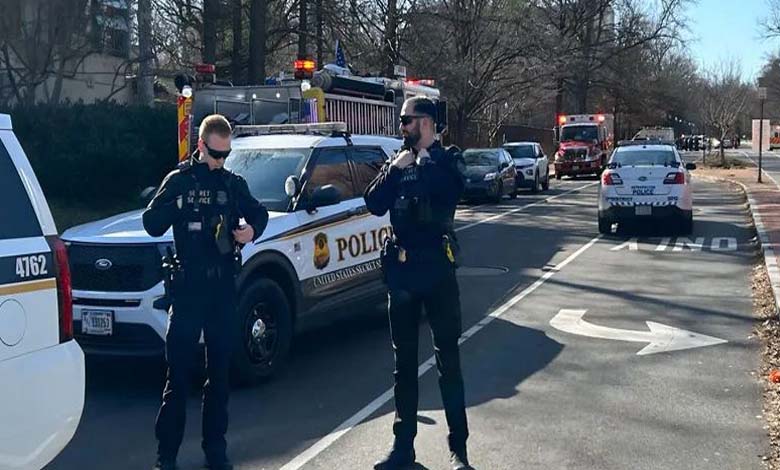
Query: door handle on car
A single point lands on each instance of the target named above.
(357, 211)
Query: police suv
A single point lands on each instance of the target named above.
(646, 180)
(317, 260)
(41, 366)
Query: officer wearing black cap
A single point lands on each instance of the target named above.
(203, 202)
(420, 188)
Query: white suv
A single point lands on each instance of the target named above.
(533, 166)
(318, 259)
(41, 366)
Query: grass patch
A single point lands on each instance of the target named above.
(713, 161)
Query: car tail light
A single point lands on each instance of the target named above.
(611, 179)
(64, 287)
(675, 178)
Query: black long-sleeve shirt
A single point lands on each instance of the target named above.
(203, 205)
(421, 198)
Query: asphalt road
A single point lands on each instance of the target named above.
(550, 356)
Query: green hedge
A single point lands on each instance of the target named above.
(97, 153)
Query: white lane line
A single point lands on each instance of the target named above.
(313, 451)
(521, 208)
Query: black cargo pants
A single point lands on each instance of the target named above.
(203, 303)
(442, 306)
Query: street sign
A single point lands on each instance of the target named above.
(662, 338)
(762, 93)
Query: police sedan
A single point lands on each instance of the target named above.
(646, 181)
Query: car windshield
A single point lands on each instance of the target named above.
(480, 158)
(521, 151)
(582, 133)
(644, 157)
(266, 170)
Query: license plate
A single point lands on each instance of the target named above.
(575, 168)
(97, 322)
(643, 190)
(643, 210)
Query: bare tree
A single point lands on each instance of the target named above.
(724, 98)
(145, 53)
(257, 38)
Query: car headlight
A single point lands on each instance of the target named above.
(529, 172)
(490, 176)
(558, 157)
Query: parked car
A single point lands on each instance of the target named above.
(41, 366)
(489, 173)
(531, 163)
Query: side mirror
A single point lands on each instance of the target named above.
(690, 166)
(292, 186)
(148, 194)
(327, 195)
(504, 165)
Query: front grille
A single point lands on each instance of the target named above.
(575, 154)
(127, 338)
(125, 303)
(134, 268)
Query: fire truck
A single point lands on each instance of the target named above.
(367, 105)
(584, 143)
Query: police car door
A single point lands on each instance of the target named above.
(342, 245)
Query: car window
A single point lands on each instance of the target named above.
(368, 162)
(521, 151)
(480, 158)
(331, 167)
(644, 157)
(266, 170)
(16, 211)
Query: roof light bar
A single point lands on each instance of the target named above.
(324, 128)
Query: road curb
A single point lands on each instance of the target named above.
(770, 258)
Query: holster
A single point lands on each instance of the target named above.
(172, 278)
(388, 258)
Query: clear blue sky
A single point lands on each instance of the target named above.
(724, 29)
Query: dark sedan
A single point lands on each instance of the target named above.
(489, 173)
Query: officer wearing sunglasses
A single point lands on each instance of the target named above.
(203, 202)
(420, 188)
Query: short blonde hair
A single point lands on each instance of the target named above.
(214, 124)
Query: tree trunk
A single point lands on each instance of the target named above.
(581, 91)
(320, 40)
(210, 18)
(390, 52)
(257, 42)
(303, 28)
(146, 57)
(237, 43)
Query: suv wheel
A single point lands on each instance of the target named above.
(265, 329)
(535, 187)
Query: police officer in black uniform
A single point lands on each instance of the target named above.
(421, 187)
(203, 202)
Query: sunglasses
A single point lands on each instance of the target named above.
(408, 118)
(217, 154)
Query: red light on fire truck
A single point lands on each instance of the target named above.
(304, 68)
(423, 82)
(561, 119)
(600, 118)
(205, 68)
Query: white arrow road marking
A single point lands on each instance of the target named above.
(662, 338)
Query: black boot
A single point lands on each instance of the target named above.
(218, 464)
(399, 457)
(459, 459)
(163, 464)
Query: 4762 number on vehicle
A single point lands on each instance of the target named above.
(31, 266)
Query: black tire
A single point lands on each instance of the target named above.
(513, 194)
(557, 176)
(686, 224)
(499, 193)
(605, 226)
(546, 182)
(256, 358)
(535, 187)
